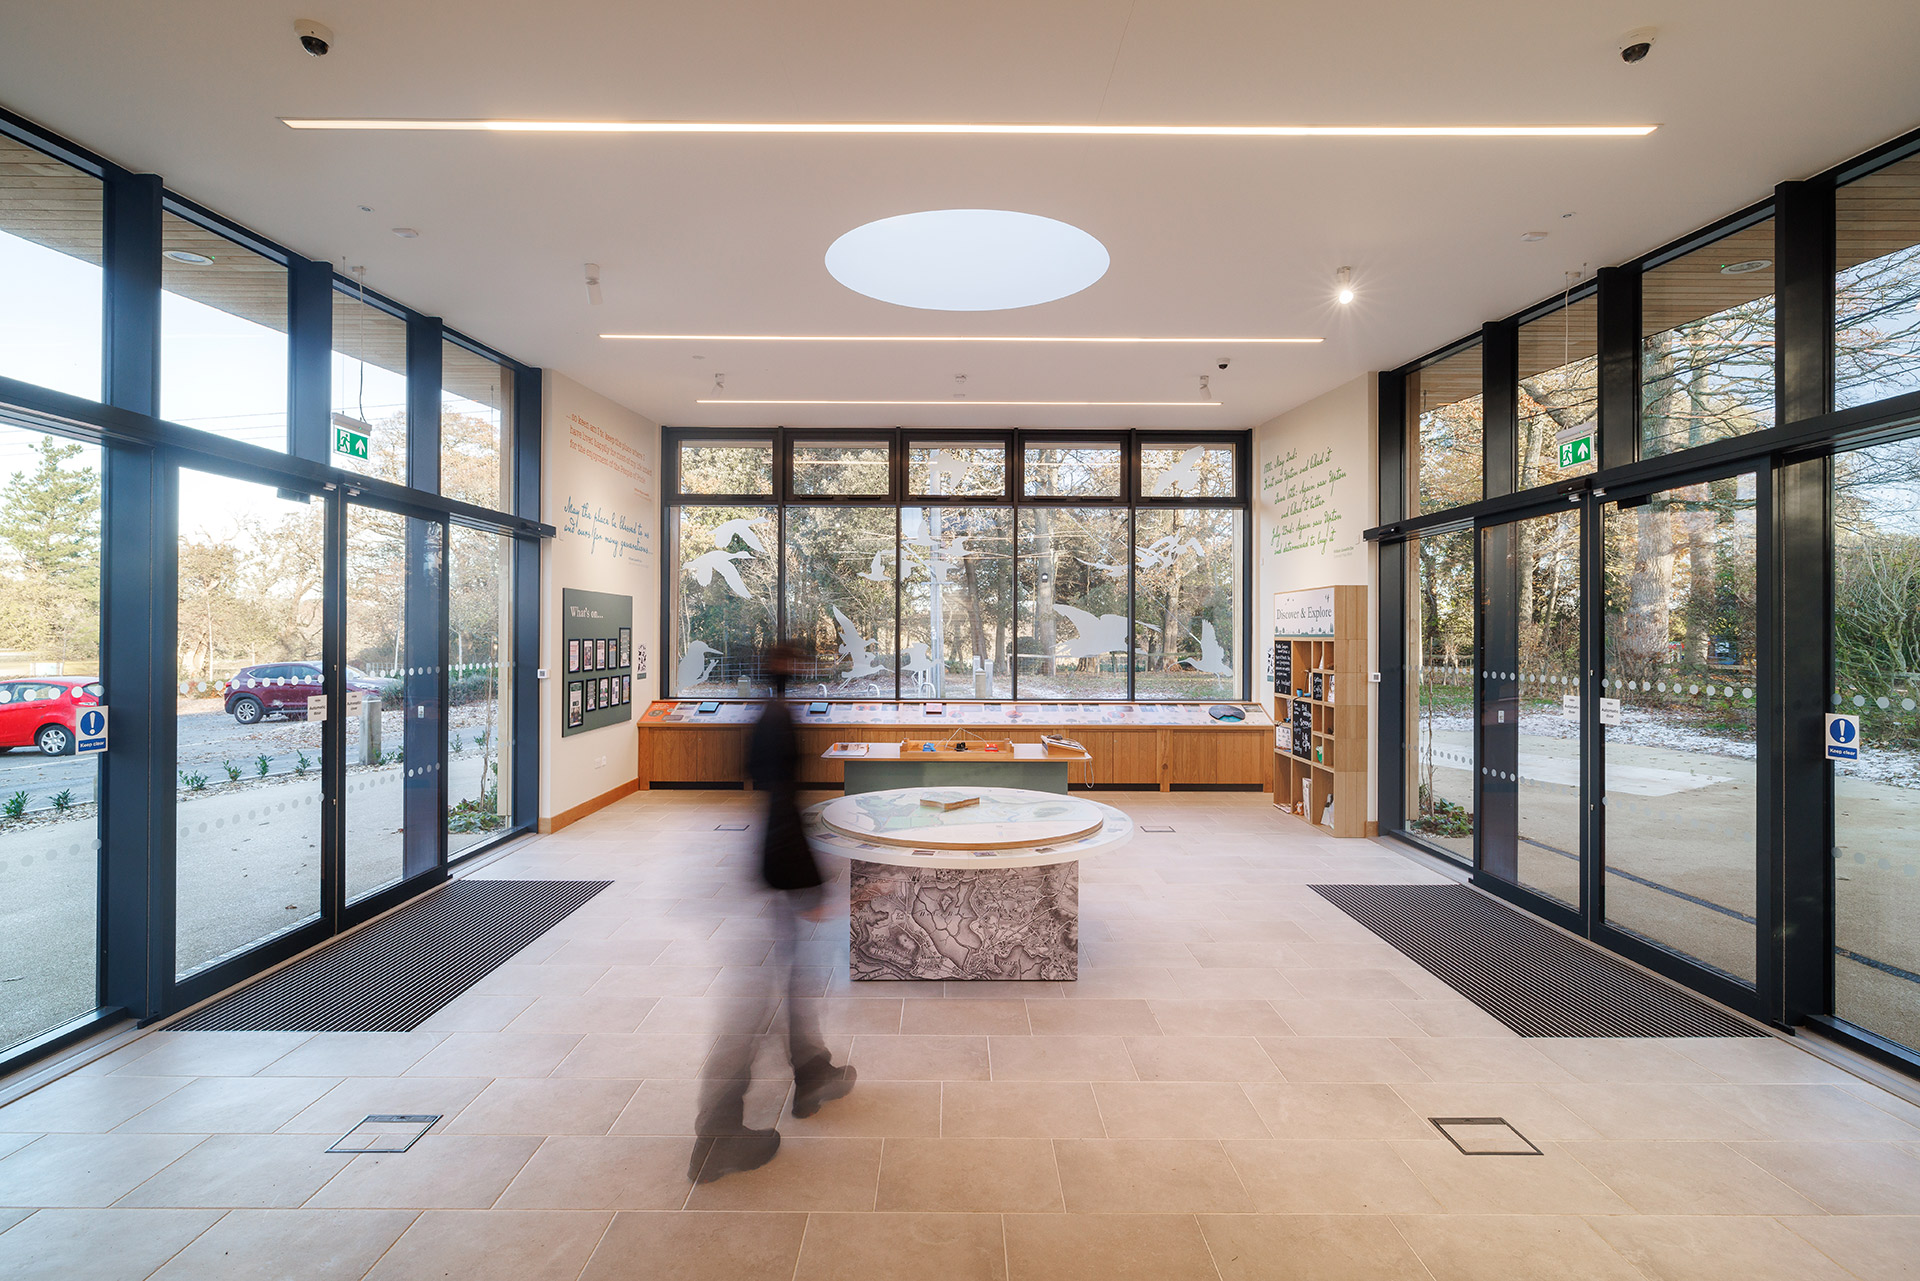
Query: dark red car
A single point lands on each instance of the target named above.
(282, 689)
(44, 711)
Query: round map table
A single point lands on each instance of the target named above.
(990, 891)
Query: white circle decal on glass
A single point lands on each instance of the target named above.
(967, 260)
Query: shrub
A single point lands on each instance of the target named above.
(63, 800)
(14, 806)
(303, 764)
(193, 782)
(232, 770)
(262, 764)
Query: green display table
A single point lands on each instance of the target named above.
(885, 766)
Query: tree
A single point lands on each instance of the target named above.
(50, 536)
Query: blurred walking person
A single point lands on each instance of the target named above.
(726, 1144)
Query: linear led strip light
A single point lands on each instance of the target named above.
(1034, 338)
(932, 127)
(967, 404)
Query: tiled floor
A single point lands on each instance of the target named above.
(1236, 1088)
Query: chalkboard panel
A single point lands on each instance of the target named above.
(1283, 667)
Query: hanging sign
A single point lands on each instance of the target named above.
(1843, 737)
(1576, 451)
(92, 738)
(351, 436)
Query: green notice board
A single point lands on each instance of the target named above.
(596, 631)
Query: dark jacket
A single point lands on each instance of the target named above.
(773, 762)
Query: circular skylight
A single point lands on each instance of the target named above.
(967, 260)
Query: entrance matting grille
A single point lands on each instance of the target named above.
(1530, 976)
(395, 973)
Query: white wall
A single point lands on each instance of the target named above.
(599, 486)
(1316, 491)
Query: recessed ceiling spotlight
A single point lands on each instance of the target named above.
(1748, 267)
(1566, 215)
(1533, 237)
(984, 127)
(967, 260)
(1344, 279)
(406, 233)
(188, 257)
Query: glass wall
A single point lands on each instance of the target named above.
(725, 466)
(1073, 640)
(1876, 320)
(49, 677)
(223, 336)
(249, 632)
(479, 747)
(476, 428)
(957, 469)
(956, 602)
(849, 468)
(839, 599)
(1440, 666)
(1681, 634)
(1876, 799)
(369, 389)
(1446, 424)
(1186, 603)
(1557, 434)
(50, 278)
(1074, 471)
(1706, 347)
(725, 595)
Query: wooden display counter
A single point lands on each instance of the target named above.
(1137, 745)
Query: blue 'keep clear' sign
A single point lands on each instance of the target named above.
(1843, 737)
(93, 731)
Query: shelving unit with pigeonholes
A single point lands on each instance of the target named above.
(1320, 696)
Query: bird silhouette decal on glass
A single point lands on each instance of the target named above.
(854, 647)
(706, 565)
(740, 527)
(1095, 635)
(694, 666)
(1180, 476)
(1105, 567)
(1213, 659)
(946, 473)
(874, 573)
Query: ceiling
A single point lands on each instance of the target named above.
(1207, 236)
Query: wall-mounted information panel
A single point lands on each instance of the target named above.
(597, 630)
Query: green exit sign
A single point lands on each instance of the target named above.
(1576, 451)
(354, 443)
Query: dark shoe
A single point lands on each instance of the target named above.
(836, 1084)
(732, 1154)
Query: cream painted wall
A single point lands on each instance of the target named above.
(600, 487)
(1316, 492)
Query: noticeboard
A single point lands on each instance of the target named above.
(596, 637)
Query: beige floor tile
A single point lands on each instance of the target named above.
(260, 1171)
(1843, 1178)
(230, 1105)
(1177, 1110)
(847, 1016)
(355, 1099)
(1622, 1060)
(1346, 1018)
(522, 1245)
(1292, 1247)
(85, 1104)
(875, 1110)
(1358, 985)
(622, 981)
(986, 989)
(288, 1245)
(1874, 1249)
(1200, 1058)
(1106, 1247)
(967, 1018)
(1549, 1184)
(440, 1172)
(1652, 1110)
(1204, 984)
(1891, 1104)
(1299, 1113)
(476, 1012)
(634, 1055)
(921, 1058)
(969, 1176)
(495, 1054)
(1531, 1109)
(586, 952)
(1537, 1247)
(902, 1247)
(669, 1106)
(1459, 1058)
(1688, 1178)
(602, 1172)
(1144, 1176)
(1330, 1177)
(338, 1054)
(1092, 1018)
(1137, 983)
(1759, 1060)
(1444, 1017)
(806, 1174)
(1060, 1058)
(581, 1014)
(541, 980)
(1809, 1113)
(1336, 1059)
(709, 1246)
(531, 1105)
(709, 951)
(97, 1245)
(86, 1169)
(1019, 1110)
(1218, 1018)
(214, 1054)
(705, 1015)
(1713, 1248)
(11, 1216)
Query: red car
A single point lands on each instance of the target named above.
(44, 711)
(282, 689)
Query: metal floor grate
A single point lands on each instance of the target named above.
(396, 972)
(1530, 976)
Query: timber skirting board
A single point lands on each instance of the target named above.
(567, 818)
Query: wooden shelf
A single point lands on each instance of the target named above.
(1303, 786)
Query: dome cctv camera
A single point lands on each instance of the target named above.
(1636, 45)
(1223, 363)
(314, 38)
